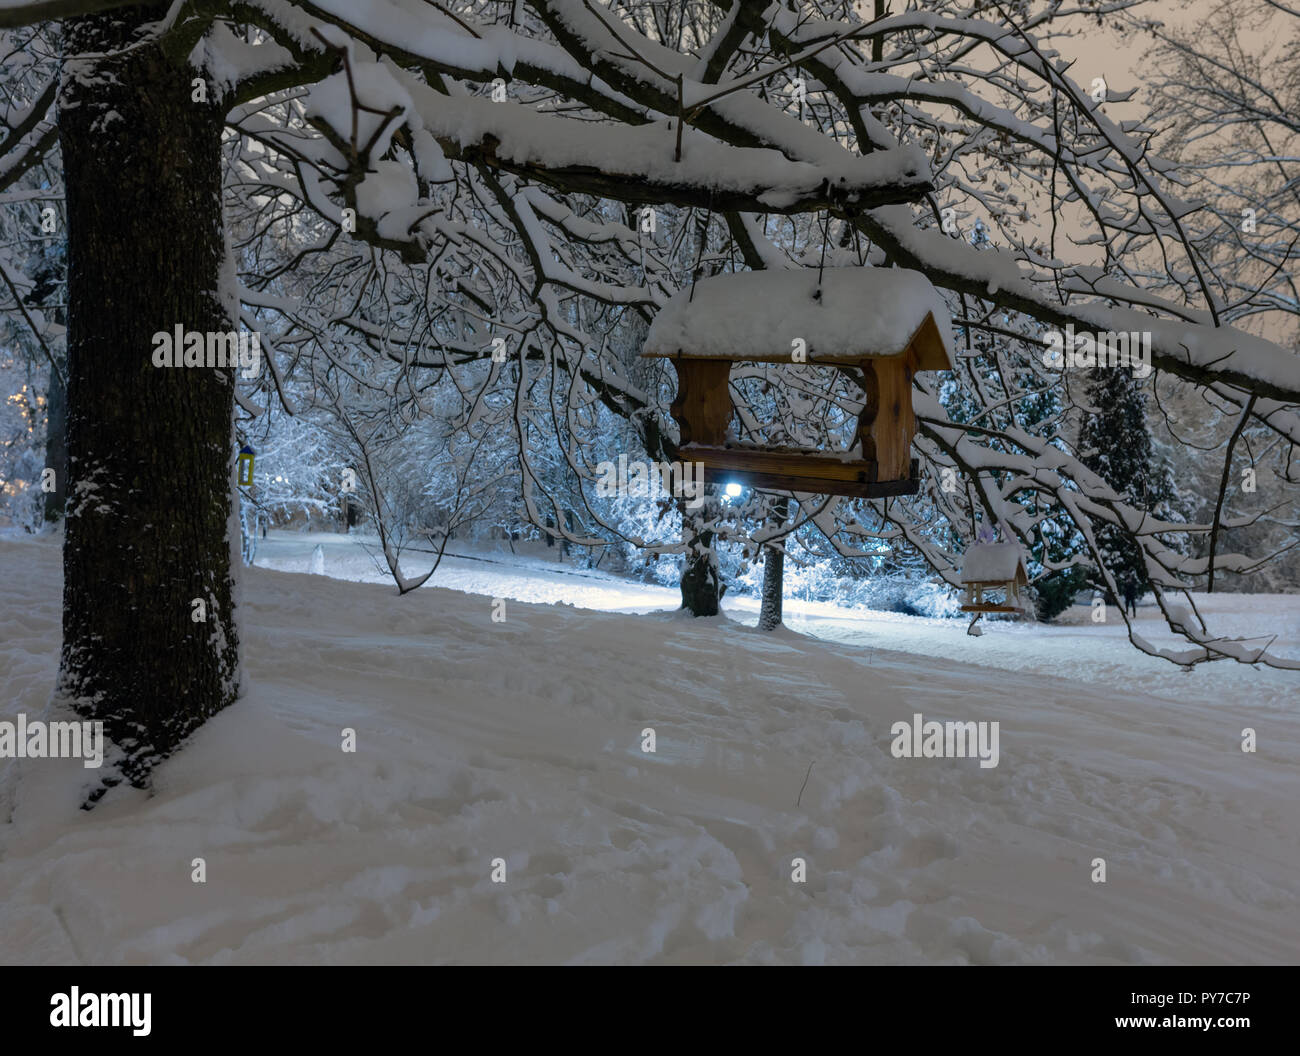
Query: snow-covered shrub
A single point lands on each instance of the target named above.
(1056, 591)
(911, 596)
(22, 503)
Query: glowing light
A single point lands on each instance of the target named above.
(733, 490)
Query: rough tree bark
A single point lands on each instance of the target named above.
(150, 455)
(769, 613)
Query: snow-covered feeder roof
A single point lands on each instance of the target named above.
(993, 563)
(755, 316)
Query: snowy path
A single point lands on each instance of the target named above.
(1072, 648)
(521, 740)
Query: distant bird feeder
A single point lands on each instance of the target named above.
(998, 568)
(888, 323)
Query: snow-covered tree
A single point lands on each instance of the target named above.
(1115, 444)
(422, 205)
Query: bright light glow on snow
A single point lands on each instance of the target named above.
(733, 490)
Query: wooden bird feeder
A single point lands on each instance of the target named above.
(886, 322)
(998, 568)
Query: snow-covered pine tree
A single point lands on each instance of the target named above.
(1115, 443)
(1058, 539)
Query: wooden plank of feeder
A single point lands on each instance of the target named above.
(702, 407)
(893, 426)
(866, 489)
(927, 347)
(820, 465)
(816, 473)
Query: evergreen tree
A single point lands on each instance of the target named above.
(1057, 537)
(1115, 443)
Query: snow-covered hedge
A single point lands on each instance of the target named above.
(820, 581)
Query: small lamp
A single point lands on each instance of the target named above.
(245, 476)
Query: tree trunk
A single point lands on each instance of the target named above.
(701, 584)
(56, 446)
(769, 613)
(150, 453)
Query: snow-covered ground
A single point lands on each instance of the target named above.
(1073, 647)
(521, 740)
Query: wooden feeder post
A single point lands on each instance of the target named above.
(702, 408)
